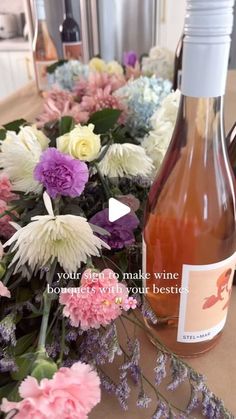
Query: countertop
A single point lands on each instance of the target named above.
(14, 44)
(219, 365)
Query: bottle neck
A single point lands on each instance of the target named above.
(40, 10)
(68, 9)
(202, 119)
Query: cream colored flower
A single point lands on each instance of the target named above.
(168, 110)
(156, 143)
(163, 123)
(40, 136)
(81, 143)
(68, 238)
(125, 160)
(97, 64)
(113, 67)
(19, 155)
(159, 62)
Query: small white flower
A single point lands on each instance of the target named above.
(68, 238)
(163, 123)
(19, 154)
(125, 160)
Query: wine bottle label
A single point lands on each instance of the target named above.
(203, 310)
(41, 73)
(73, 50)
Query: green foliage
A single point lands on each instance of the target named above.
(24, 365)
(66, 124)
(104, 120)
(24, 343)
(3, 134)
(10, 391)
(52, 68)
(15, 125)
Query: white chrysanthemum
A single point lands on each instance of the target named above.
(163, 122)
(67, 238)
(125, 160)
(19, 154)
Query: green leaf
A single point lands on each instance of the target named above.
(10, 391)
(15, 125)
(24, 367)
(24, 343)
(52, 68)
(104, 120)
(3, 134)
(66, 124)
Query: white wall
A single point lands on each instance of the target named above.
(171, 22)
(12, 6)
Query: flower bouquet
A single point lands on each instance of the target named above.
(67, 300)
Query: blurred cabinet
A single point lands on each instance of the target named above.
(16, 69)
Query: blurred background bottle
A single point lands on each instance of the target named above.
(70, 35)
(44, 50)
(178, 64)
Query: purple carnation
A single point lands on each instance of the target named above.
(60, 174)
(130, 58)
(121, 231)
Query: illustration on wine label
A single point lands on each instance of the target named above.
(209, 289)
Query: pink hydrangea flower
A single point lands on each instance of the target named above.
(70, 394)
(4, 291)
(60, 103)
(129, 303)
(6, 189)
(97, 301)
(6, 230)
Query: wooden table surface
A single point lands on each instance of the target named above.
(219, 365)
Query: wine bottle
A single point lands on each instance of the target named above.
(45, 52)
(189, 238)
(231, 141)
(70, 35)
(178, 64)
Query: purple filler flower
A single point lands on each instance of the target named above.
(121, 231)
(130, 58)
(60, 174)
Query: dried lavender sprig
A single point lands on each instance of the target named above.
(192, 373)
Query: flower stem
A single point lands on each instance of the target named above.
(62, 341)
(46, 310)
(103, 182)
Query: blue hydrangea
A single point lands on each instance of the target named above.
(66, 75)
(143, 96)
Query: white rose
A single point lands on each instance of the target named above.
(81, 143)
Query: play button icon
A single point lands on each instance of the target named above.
(117, 210)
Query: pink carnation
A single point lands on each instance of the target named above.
(4, 291)
(60, 103)
(6, 189)
(70, 394)
(6, 230)
(97, 301)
